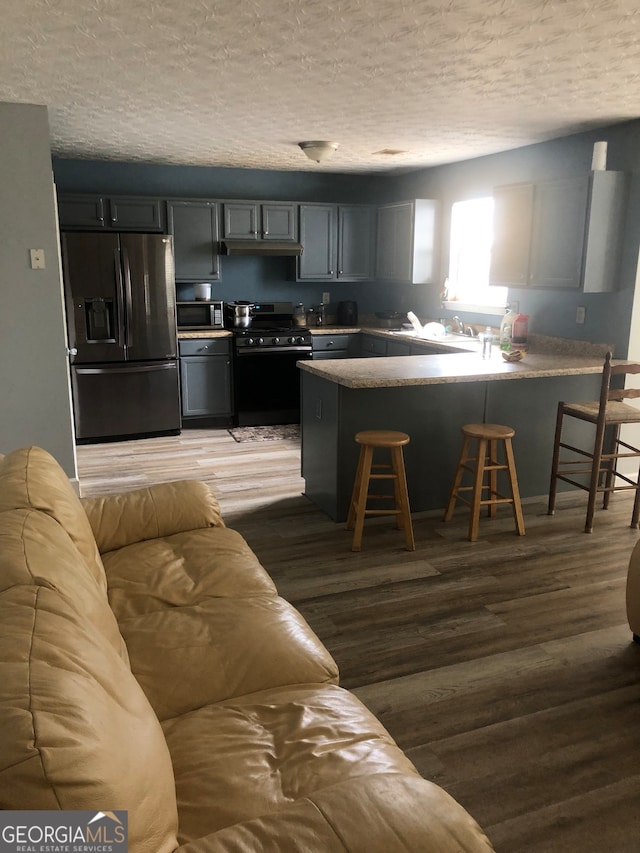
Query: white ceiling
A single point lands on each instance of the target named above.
(240, 82)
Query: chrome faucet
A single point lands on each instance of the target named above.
(461, 329)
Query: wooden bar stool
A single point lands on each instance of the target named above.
(370, 440)
(488, 436)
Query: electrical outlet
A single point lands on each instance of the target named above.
(37, 259)
(326, 298)
(580, 314)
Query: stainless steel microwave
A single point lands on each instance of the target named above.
(198, 316)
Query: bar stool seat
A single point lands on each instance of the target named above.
(370, 441)
(489, 438)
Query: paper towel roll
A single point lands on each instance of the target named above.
(599, 162)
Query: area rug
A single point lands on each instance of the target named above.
(276, 432)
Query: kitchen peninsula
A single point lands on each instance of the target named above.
(430, 397)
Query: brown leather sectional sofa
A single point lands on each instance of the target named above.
(147, 663)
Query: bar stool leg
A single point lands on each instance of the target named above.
(462, 458)
(402, 497)
(553, 484)
(493, 476)
(354, 492)
(515, 491)
(476, 495)
(361, 500)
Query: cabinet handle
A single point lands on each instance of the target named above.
(329, 343)
(265, 233)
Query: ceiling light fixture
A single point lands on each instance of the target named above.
(318, 150)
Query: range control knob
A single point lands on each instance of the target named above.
(260, 341)
(291, 340)
(275, 340)
(300, 340)
(250, 342)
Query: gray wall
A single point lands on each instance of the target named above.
(608, 316)
(34, 372)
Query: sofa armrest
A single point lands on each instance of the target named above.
(633, 591)
(150, 513)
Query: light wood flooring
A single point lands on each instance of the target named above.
(504, 668)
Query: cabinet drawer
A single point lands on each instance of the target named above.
(204, 346)
(330, 342)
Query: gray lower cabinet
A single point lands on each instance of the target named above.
(205, 377)
(117, 213)
(372, 346)
(194, 227)
(335, 346)
(562, 234)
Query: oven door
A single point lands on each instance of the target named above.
(267, 387)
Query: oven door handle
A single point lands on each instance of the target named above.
(244, 351)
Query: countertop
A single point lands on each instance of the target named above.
(204, 333)
(400, 371)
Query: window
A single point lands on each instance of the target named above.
(470, 255)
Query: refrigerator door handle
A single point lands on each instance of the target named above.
(119, 291)
(128, 296)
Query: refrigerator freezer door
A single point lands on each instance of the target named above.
(149, 294)
(123, 400)
(93, 284)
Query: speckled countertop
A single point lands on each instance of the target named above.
(402, 371)
(204, 333)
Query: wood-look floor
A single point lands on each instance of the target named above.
(504, 668)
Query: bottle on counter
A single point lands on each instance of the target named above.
(487, 340)
(506, 329)
(520, 330)
(299, 315)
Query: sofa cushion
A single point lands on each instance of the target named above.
(183, 569)
(77, 730)
(155, 511)
(262, 751)
(35, 549)
(187, 657)
(386, 813)
(32, 479)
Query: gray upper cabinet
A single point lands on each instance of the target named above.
(406, 241)
(562, 234)
(337, 241)
(252, 220)
(194, 227)
(96, 212)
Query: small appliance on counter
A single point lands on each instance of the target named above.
(202, 292)
(199, 316)
(347, 313)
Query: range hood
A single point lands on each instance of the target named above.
(267, 248)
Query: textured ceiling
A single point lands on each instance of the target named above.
(240, 82)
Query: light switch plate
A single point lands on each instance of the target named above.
(326, 298)
(580, 314)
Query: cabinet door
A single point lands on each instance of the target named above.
(206, 385)
(241, 220)
(394, 259)
(558, 233)
(318, 238)
(194, 226)
(82, 211)
(512, 224)
(136, 214)
(354, 243)
(279, 221)
(372, 346)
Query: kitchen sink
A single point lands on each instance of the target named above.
(449, 336)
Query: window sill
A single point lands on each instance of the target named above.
(492, 310)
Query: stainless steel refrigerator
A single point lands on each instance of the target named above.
(120, 296)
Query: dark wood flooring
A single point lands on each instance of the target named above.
(504, 668)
